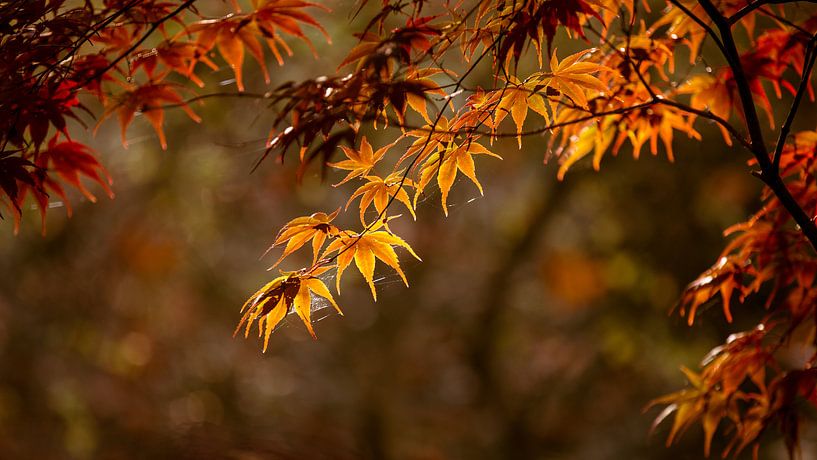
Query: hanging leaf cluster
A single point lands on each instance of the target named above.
(427, 96)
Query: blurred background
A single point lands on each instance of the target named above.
(537, 326)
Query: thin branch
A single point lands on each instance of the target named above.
(757, 4)
(804, 84)
(732, 56)
(153, 27)
(701, 23)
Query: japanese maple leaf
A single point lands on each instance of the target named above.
(365, 248)
(289, 292)
(67, 161)
(454, 159)
(700, 401)
(516, 99)
(71, 160)
(270, 16)
(661, 123)
(316, 227)
(231, 35)
(178, 56)
(148, 99)
(430, 138)
(573, 77)
(419, 78)
(595, 137)
(379, 191)
(534, 21)
(715, 94)
(369, 43)
(359, 162)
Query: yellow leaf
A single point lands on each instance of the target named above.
(379, 191)
(455, 158)
(360, 162)
(289, 292)
(516, 98)
(573, 77)
(365, 249)
(302, 229)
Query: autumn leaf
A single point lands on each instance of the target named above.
(231, 36)
(178, 56)
(420, 78)
(429, 139)
(316, 227)
(365, 248)
(71, 160)
(13, 171)
(289, 292)
(691, 405)
(379, 191)
(367, 45)
(359, 162)
(148, 99)
(595, 137)
(270, 16)
(573, 77)
(516, 98)
(456, 158)
(536, 21)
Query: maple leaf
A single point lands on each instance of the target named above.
(684, 27)
(572, 77)
(430, 138)
(713, 94)
(70, 161)
(379, 191)
(360, 162)
(231, 35)
(367, 45)
(180, 57)
(659, 122)
(148, 99)
(722, 278)
(14, 170)
(446, 165)
(516, 99)
(289, 292)
(316, 227)
(364, 249)
(595, 137)
(420, 78)
(273, 15)
(536, 20)
(699, 402)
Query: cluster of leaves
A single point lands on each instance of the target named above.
(623, 90)
(54, 51)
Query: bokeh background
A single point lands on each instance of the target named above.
(538, 325)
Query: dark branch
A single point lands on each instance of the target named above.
(757, 4)
(804, 83)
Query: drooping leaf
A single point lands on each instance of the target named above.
(291, 292)
(379, 191)
(456, 158)
(297, 232)
(359, 162)
(364, 249)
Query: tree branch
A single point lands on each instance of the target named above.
(804, 83)
(757, 4)
(768, 174)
